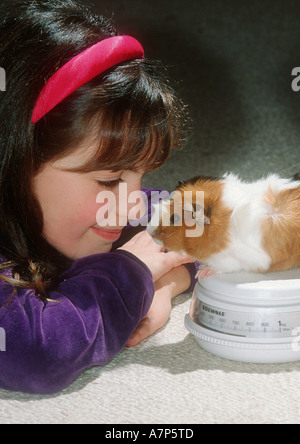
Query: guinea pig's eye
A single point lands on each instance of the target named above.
(175, 219)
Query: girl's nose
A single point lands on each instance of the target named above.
(131, 205)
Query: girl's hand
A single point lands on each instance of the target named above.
(169, 286)
(160, 263)
(157, 316)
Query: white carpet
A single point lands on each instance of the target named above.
(167, 380)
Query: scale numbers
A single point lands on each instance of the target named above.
(246, 324)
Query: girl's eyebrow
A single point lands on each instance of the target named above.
(95, 164)
(88, 167)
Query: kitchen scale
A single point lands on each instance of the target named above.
(248, 317)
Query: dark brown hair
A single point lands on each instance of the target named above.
(130, 110)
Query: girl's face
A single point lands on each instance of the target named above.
(69, 205)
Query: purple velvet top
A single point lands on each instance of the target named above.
(98, 304)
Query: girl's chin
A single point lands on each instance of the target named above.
(88, 245)
(100, 249)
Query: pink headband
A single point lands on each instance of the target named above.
(83, 68)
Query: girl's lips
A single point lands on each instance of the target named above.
(107, 234)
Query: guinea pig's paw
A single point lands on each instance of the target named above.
(204, 272)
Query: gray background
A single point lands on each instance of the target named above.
(231, 62)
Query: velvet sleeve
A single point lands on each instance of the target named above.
(88, 319)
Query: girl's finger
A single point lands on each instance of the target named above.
(143, 331)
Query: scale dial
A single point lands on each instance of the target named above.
(248, 317)
(244, 324)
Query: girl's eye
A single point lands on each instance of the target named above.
(109, 183)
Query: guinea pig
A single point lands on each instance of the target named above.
(229, 225)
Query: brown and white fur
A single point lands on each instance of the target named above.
(253, 226)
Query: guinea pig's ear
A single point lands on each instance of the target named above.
(180, 183)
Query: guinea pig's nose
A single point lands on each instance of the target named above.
(157, 241)
(151, 229)
(155, 219)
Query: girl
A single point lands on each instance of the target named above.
(83, 112)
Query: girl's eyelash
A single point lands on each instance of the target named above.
(109, 183)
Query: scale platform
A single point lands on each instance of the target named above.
(248, 317)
